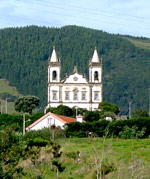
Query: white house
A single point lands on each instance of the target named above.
(75, 90)
(51, 119)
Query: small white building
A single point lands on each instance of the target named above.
(75, 90)
(51, 119)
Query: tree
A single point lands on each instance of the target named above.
(108, 114)
(91, 116)
(108, 107)
(62, 110)
(140, 113)
(26, 104)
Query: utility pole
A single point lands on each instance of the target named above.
(129, 109)
(76, 111)
(24, 121)
(0, 107)
(149, 101)
(6, 109)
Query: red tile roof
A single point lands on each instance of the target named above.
(64, 119)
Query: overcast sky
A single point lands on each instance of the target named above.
(130, 17)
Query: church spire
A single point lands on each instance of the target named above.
(95, 58)
(54, 57)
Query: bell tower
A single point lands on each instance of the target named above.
(95, 68)
(54, 68)
(95, 80)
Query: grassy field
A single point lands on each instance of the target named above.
(145, 44)
(86, 157)
(5, 88)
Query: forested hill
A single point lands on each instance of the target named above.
(126, 64)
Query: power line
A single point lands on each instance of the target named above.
(141, 17)
(81, 11)
(48, 23)
(69, 15)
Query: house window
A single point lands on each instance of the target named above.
(83, 95)
(96, 95)
(49, 120)
(75, 94)
(54, 95)
(96, 75)
(67, 95)
(54, 75)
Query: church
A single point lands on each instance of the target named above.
(75, 90)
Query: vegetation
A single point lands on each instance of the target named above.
(10, 93)
(99, 154)
(108, 107)
(62, 110)
(140, 113)
(123, 61)
(7, 120)
(74, 158)
(135, 127)
(143, 43)
(14, 148)
(26, 104)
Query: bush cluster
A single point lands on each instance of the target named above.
(131, 128)
(17, 120)
(46, 134)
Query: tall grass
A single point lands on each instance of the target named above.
(114, 158)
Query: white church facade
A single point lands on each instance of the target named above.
(75, 90)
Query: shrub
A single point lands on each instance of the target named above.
(45, 133)
(115, 128)
(83, 129)
(132, 132)
(91, 116)
(38, 142)
(17, 119)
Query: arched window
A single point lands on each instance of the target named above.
(96, 75)
(54, 75)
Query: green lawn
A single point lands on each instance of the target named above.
(82, 158)
(5, 88)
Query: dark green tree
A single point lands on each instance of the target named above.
(91, 116)
(108, 107)
(140, 113)
(26, 104)
(62, 110)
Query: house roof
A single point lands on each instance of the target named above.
(64, 119)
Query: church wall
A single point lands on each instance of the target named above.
(80, 89)
(79, 105)
(76, 78)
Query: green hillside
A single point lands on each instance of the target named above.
(24, 52)
(10, 93)
(143, 43)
